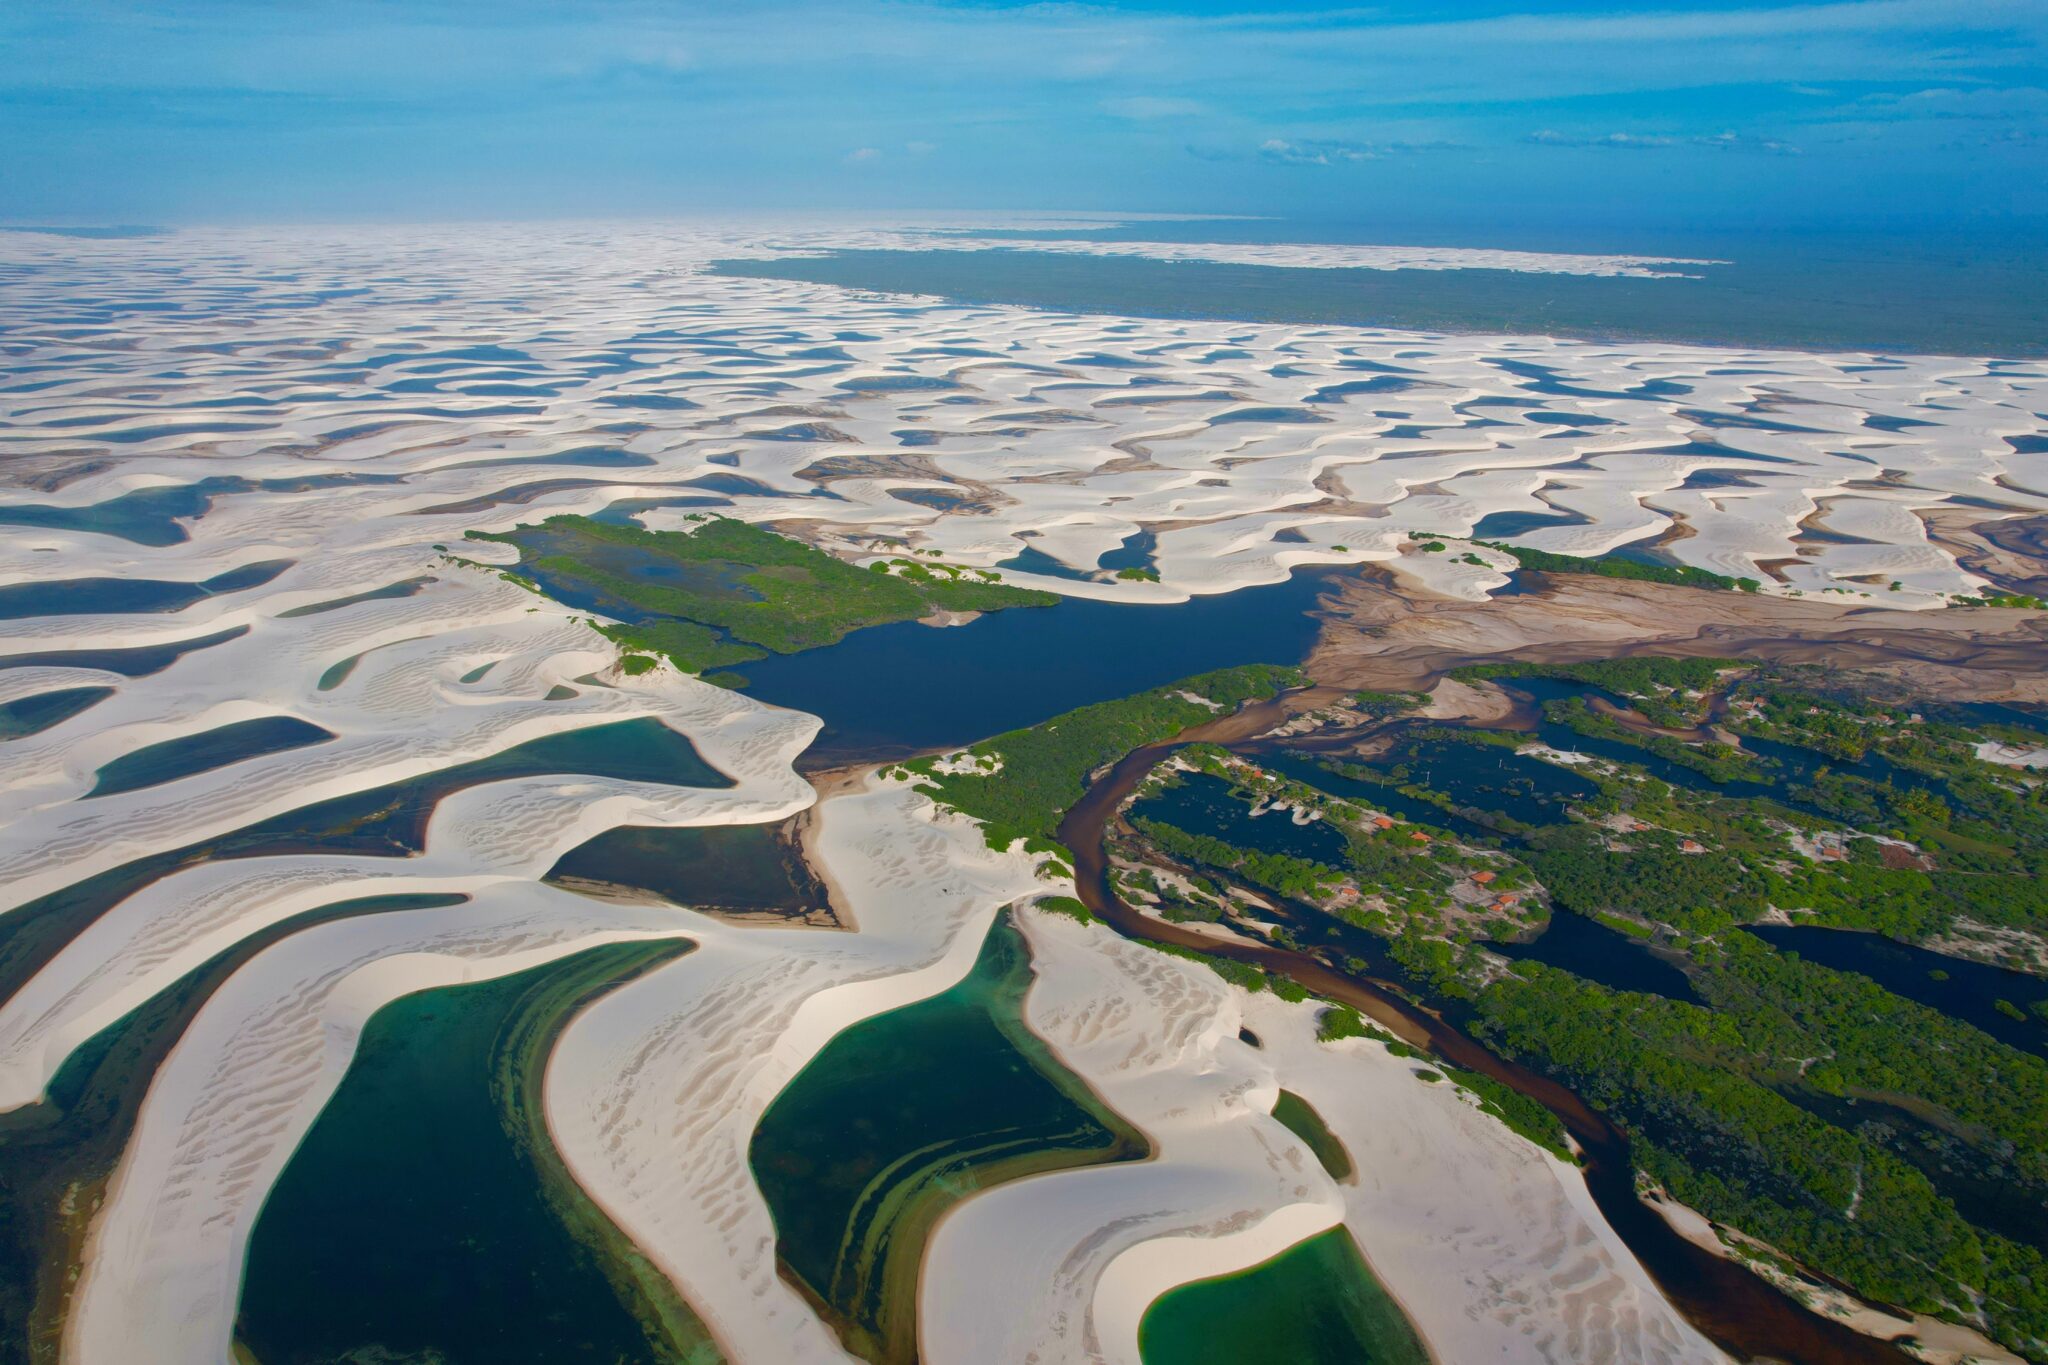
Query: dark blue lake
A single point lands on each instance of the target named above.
(1202, 804)
(137, 661)
(899, 688)
(125, 596)
(34, 714)
(1592, 950)
(155, 764)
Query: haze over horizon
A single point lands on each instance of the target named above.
(1650, 116)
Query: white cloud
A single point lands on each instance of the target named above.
(1655, 142)
(1640, 142)
(1747, 142)
(860, 155)
(2015, 102)
(1316, 153)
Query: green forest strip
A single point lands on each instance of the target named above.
(1659, 688)
(1712, 760)
(1032, 777)
(1713, 1098)
(727, 592)
(1896, 1148)
(1614, 566)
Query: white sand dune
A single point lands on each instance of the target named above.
(349, 402)
(163, 1269)
(654, 1093)
(1491, 1246)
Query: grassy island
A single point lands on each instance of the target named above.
(726, 592)
(1021, 783)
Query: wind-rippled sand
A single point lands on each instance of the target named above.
(348, 403)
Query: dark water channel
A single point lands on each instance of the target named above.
(1725, 1301)
(1969, 991)
(1203, 804)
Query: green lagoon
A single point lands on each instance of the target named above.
(1316, 1303)
(901, 1117)
(426, 1215)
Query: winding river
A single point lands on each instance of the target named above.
(1731, 1306)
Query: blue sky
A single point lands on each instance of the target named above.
(1872, 112)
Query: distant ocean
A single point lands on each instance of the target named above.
(1942, 294)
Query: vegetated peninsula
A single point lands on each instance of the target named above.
(1019, 784)
(1748, 929)
(725, 591)
(1828, 1120)
(1854, 1127)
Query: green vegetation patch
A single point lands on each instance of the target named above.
(898, 1119)
(1716, 1103)
(2024, 600)
(1342, 1021)
(1281, 872)
(1243, 975)
(727, 591)
(1316, 1303)
(1384, 704)
(1614, 566)
(1711, 759)
(1044, 769)
(1393, 873)
(1065, 905)
(1520, 1113)
(1669, 692)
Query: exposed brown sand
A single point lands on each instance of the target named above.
(829, 782)
(1937, 1342)
(2010, 551)
(1482, 705)
(1377, 637)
